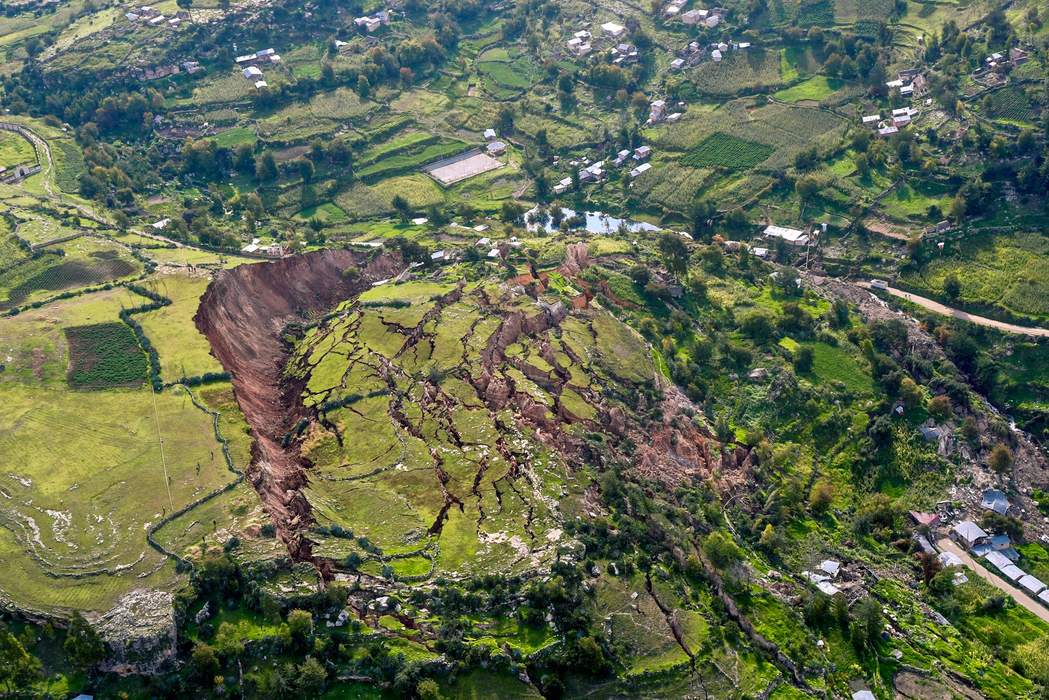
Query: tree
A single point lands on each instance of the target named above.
(675, 253)
(940, 407)
(428, 689)
(910, 393)
(640, 275)
(244, 159)
(1001, 459)
(300, 624)
(821, 497)
(228, 641)
(721, 550)
(266, 167)
(952, 288)
(306, 169)
(311, 677)
(402, 207)
(205, 661)
(758, 326)
(803, 359)
(18, 668)
(83, 646)
(807, 187)
(504, 123)
(866, 625)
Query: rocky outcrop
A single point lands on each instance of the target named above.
(139, 633)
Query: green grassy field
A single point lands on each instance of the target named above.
(74, 538)
(814, 89)
(15, 150)
(183, 350)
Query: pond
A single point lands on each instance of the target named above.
(596, 222)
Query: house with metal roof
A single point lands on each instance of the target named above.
(995, 500)
(968, 534)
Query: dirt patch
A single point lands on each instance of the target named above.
(244, 313)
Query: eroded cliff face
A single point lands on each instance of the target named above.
(243, 314)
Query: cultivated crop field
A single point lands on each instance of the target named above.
(1012, 105)
(104, 355)
(740, 71)
(15, 150)
(785, 128)
(726, 151)
(86, 263)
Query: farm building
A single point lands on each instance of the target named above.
(716, 55)
(694, 16)
(888, 131)
(622, 157)
(260, 84)
(613, 30)
(791, 236)
(830, 567)
(871, 120)
(1013, 572)
(642, 152)
(496, 148)
(373, 22)
(949, 559)
(677, 64)
(994, 543)
(1044, 597)
(578, 47)
(489, 134)
(251, 72)
(657, 110)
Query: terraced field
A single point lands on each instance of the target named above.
(427, 402)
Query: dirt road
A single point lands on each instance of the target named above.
(1016, 594)
(962, 315)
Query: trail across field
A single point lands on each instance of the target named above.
(1016, 594)
(963, 315)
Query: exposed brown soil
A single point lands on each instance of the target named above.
(243, 314)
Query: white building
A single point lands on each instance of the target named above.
(791, 235)
(643, 168)
(613, 30)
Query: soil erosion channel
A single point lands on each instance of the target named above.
(244, 313)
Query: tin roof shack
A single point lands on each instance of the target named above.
(969, 534)
(995, 500)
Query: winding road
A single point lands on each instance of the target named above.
(939, 308)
